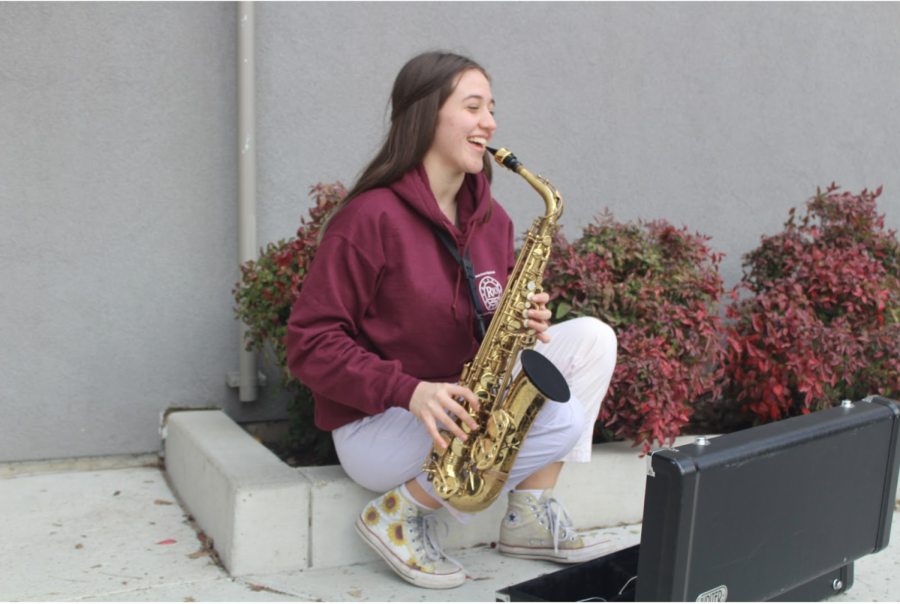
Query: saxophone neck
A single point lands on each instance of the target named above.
(552, 198)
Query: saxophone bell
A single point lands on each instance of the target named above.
(545, 376)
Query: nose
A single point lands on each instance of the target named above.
(488, 122)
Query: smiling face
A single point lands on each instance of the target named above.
(465, 124)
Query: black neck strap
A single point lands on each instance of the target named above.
(469, 270)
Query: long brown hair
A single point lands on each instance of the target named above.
(421, 88)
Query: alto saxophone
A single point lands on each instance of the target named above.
(470, 474)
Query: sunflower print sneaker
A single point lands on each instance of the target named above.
(407, 538)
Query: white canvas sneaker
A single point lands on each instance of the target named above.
(541, 529)
(407, 538)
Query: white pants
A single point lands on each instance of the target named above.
(383, 451)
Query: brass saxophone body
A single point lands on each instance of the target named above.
(471, 474)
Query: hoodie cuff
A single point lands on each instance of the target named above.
(403, 391)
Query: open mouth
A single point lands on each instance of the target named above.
(478, 142)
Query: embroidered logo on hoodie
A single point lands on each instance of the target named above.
(490, 291)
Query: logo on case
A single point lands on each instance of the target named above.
(719, 594)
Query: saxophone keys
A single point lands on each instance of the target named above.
(474, 484)
(457, 447)
(486, 454)
(448, 437)
(490, 432)
(488, 381)
(501, 419)
(448, 488)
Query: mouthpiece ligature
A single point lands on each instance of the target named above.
(505, 158)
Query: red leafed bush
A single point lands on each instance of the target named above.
(658, 287)
(822, 320)
(267, 291)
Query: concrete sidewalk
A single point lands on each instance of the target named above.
(94, 530)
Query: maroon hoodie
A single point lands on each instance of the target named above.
(385, 305)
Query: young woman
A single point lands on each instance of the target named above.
(385, 322)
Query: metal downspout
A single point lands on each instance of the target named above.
(246, 85)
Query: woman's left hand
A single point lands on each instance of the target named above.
(539, 316)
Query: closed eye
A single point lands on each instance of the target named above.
(477, 108)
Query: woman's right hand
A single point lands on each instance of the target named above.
(432, 403)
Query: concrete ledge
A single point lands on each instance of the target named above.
(265, 516)
(255, 507)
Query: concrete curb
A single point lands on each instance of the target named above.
(265, 516)
(253, 506)
(77, 464)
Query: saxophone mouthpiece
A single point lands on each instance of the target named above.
(505, 158)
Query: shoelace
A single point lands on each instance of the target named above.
(428, 529)
(556, 521)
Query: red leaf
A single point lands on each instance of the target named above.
(167, 542)
(757, 323)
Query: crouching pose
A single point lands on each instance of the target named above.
(385, 322)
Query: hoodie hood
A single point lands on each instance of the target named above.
(472, 201)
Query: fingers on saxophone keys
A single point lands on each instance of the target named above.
(460, 412)
(541, 314)
(463, 392)
(435, 435)
(449, 424)
(458, 433)
(540, 299)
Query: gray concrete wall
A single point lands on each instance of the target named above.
(118, 212)
(117, 245)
